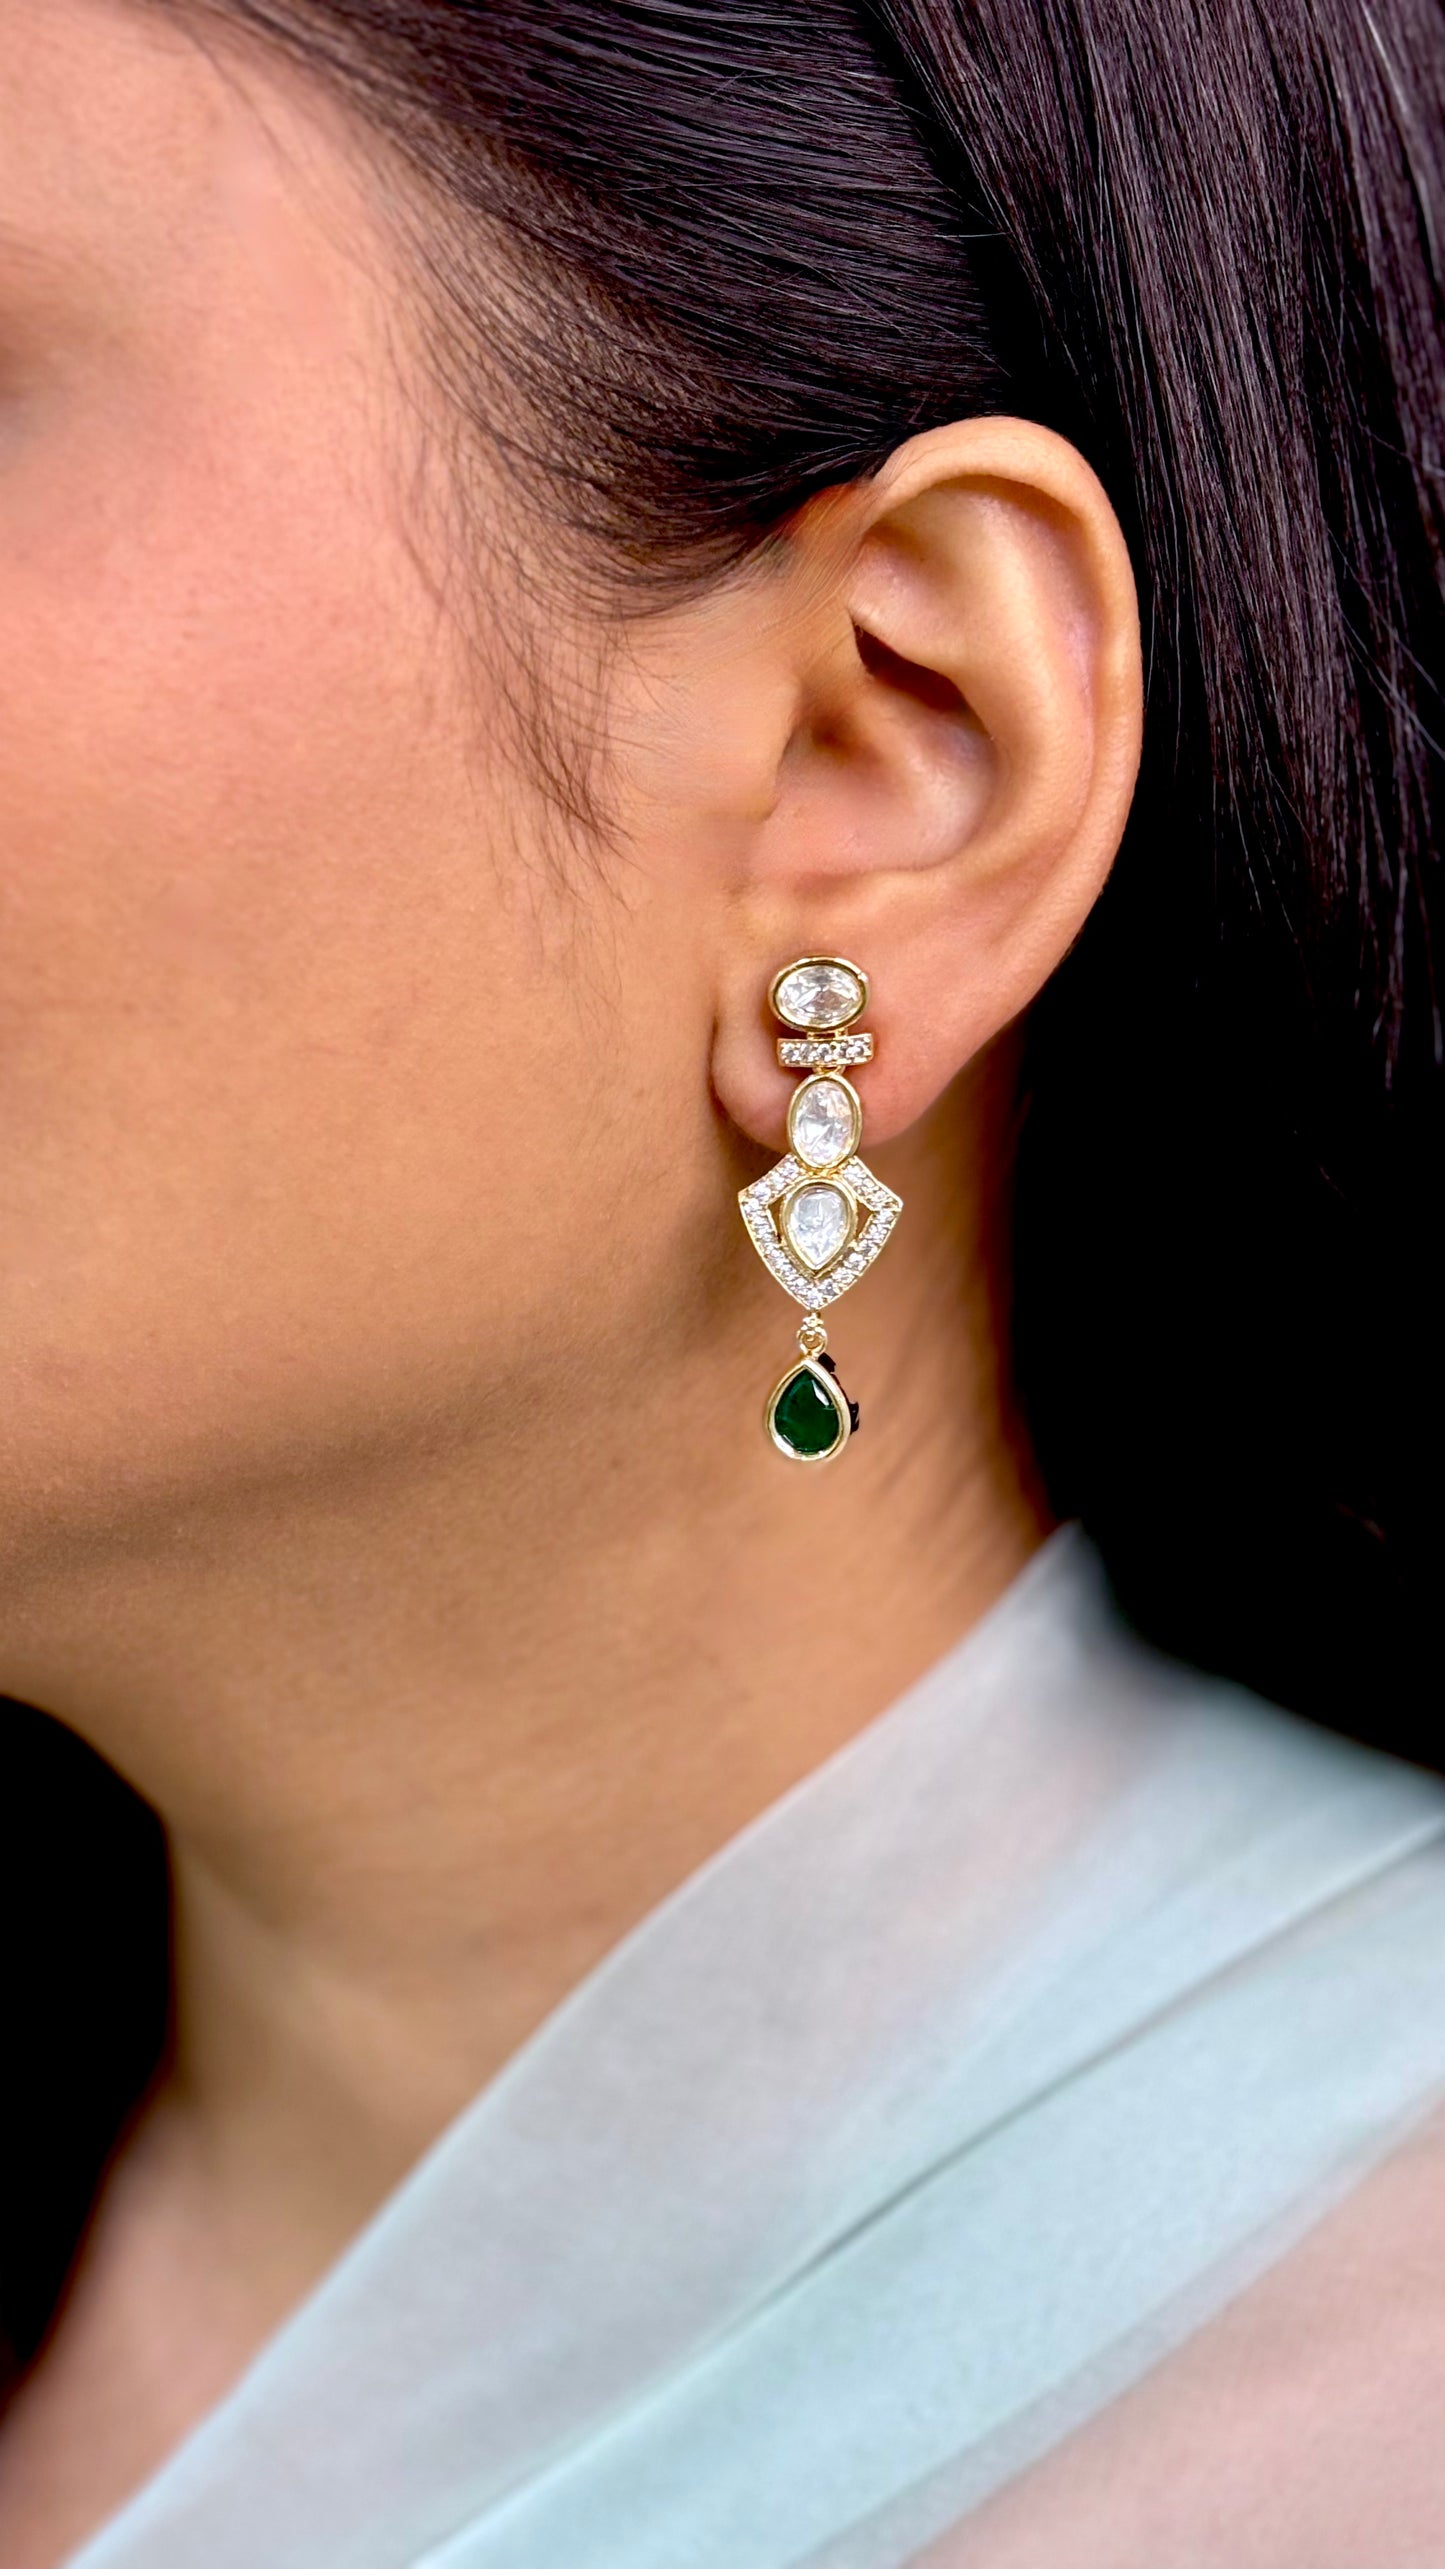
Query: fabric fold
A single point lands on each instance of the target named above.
(999, 2038)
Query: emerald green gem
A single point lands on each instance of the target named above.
(805, 1419)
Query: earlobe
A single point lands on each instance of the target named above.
(958, 778)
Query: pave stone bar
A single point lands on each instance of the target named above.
(824, 1052)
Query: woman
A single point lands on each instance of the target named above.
(564, 566)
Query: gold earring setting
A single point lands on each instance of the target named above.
(819, 1217)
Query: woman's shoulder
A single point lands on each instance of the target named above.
(1192, 1764)
(1214, 1724)
(1298, 2430)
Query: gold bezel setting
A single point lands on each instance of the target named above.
(789, 1197)
(836, 1394)
(797, 1105)
(828, 1025)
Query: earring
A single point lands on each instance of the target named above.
(819, 1217)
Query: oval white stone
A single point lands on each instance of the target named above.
(819, 994)
(816, 1223)
(823, 1123)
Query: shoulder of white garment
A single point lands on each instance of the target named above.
(928, 2115)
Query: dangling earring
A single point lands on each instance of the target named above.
(819, 1217)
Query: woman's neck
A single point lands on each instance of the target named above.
(428, 1743)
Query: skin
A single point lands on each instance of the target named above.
(381, 1478)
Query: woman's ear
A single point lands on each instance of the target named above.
(953, 780)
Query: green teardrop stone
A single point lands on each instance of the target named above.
(804, 1417)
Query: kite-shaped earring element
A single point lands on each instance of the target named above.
(819, 1217)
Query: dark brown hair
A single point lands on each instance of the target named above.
(752, 244)
(761, 241)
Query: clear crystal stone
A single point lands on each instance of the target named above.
(817, 1223)
(819, 994)
(823, 1123)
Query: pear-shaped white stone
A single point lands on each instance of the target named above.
(816, 1224)
(823, 1122)
(819, 994)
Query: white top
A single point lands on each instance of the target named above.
(935, 2108)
